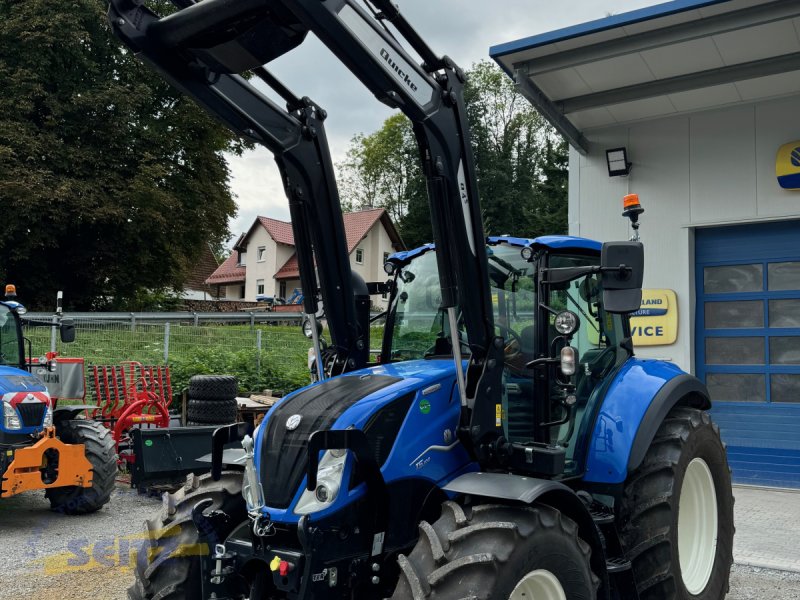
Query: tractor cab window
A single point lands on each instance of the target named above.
(421, 328)
(9, 338)
(418, 320)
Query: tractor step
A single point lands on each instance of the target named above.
(601, 514)
(617, 565)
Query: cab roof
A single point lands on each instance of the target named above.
(553, 242)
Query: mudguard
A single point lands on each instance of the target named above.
(637, 401)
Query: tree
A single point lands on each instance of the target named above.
(521, 165)
(111, 182)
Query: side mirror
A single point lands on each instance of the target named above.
(622, 275)
(67, 331)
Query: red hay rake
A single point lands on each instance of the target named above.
(131, 394)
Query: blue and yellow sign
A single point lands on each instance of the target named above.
(656, 321)
(787, 166)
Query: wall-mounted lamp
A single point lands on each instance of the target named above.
(617, 159)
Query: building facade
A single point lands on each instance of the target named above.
(695, 106)
(263, 264)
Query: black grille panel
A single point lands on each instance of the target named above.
(283, 453)
(31, 413)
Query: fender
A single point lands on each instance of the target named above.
(629, 416)
(70, 411)
(526, 490)
(685, 390)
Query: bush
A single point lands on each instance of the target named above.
(241, 363)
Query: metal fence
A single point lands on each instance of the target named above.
(264, 350)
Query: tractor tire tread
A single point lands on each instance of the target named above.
(212, 412)
(101, 453)
(167, 568)
(647, 513)
(213, 387)
(476, 552)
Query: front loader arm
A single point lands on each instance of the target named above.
(188, 56)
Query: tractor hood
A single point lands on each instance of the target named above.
(352, 397)
(17, 380)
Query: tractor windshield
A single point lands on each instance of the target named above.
(419, 326)
(9, 338)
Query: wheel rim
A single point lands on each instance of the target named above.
(697, 526)
(539, 585)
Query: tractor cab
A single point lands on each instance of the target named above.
(560, 342)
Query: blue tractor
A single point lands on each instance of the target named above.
(507, 445)
(43, 446)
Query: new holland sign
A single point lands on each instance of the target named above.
(656, 321)
(787, 166)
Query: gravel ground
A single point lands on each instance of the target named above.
(89, 557)
(81, 557)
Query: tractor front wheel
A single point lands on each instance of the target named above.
(168, 562)
(99, 449)
(498, 552)
(676, 514)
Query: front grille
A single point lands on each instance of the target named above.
(31, 413)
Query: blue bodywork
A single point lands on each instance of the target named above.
(427, 447)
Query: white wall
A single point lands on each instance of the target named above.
(703, 169)
(375, 244)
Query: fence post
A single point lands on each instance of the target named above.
(196, 319)
(258, 352)
(166, 342)
(252, 321)
(133, 322)
(53, 337)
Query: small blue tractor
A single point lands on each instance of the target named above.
(507, 445)
(42, 446)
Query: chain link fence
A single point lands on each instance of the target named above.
(262, 352)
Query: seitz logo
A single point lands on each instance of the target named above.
(403, 75)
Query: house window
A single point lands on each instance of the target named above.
(260, 287)
(241, 257)
(261, 253)
(283, 290)
(241, 292)
(359, 256)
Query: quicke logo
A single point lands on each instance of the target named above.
(425, 407)
(403, 75)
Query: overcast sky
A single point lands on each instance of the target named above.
(462, 29)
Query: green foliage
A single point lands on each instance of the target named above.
(521, 165)
(110, 181)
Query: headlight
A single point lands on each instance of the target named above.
(566, 322)
(329, 480)
(48, 418)
(10, 417)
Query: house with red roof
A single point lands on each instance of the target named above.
(263, 263)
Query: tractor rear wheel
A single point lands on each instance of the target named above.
(498, 552)
(168, 562)
(676, 514)
(99, 449)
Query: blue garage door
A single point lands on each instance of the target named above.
(748, 345)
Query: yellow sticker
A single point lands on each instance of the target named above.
(498, 415)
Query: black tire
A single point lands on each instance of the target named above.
(482, 553)
(213, 387)
(212, 412)
(99, 445)
(164, 570)
(648, 513)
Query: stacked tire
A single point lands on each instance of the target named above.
(212, 400)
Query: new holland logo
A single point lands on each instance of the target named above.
(787, 166)
(293, 422)
(397, 69)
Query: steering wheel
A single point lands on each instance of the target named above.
(513, 342)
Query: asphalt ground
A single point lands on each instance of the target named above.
(50, 556)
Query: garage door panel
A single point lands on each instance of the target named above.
(748, 345)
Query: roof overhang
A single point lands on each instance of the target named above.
(672, 58)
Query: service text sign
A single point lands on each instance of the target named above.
(656, 321)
